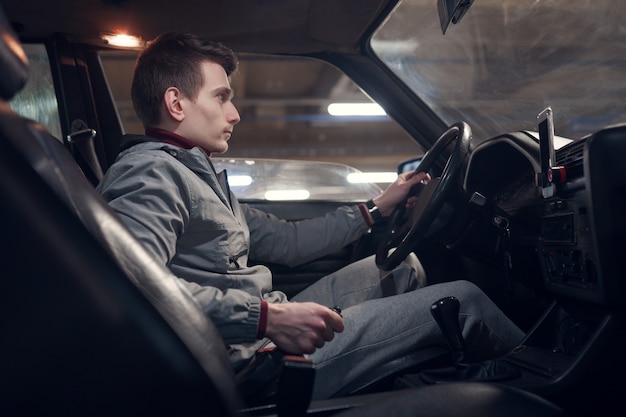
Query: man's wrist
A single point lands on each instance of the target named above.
(373, 210)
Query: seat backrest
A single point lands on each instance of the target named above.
(89, 323)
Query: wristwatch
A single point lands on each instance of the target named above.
(373, 210)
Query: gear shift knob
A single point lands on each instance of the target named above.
(446, 314)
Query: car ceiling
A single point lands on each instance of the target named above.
(289, 27)
(267, 26)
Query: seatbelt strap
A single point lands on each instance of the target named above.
(82, 142)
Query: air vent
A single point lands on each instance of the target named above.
(571, 157)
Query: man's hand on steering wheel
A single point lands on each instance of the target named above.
(399, 191)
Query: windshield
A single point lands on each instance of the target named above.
(285, 180)
(507, 60)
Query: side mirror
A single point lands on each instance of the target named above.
(409, 165)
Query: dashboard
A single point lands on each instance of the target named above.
(575, 233)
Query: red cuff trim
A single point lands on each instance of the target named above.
(262, 320)
(366, 215)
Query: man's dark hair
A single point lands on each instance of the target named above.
(174, 60)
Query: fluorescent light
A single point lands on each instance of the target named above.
(397, 48)
(355, 109)
(372, 177)
(123, 40)
(239, 180)
(287, 195)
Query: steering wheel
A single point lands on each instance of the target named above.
(405, 236)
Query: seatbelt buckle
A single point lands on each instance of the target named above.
(295, 385)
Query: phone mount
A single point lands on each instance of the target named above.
(550, 175)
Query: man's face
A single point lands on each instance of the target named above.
(210, 118)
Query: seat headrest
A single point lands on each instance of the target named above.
(13, 60)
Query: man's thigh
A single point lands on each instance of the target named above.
(362, 281)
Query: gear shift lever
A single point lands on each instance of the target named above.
(446, 314)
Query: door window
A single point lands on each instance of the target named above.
(37, 100)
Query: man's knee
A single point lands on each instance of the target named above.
(473, 300)
(414, 267)
(465, 290)
(408, 275)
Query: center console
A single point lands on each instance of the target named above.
(581, 248)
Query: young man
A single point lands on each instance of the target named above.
(166, 190)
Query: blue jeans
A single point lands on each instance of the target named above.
(388, 316)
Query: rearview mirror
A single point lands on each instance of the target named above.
(452, 11)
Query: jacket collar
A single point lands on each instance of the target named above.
(154, 134)
(173, 139)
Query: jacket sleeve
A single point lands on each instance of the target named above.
(235, 313)
(293, 243)
(152, 197)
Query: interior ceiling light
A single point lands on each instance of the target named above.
(355, 109)
(123, 40)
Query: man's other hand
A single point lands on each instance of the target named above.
(301, 328)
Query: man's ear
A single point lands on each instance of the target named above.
(171, 101)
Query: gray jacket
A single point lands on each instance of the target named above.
(172, 200)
